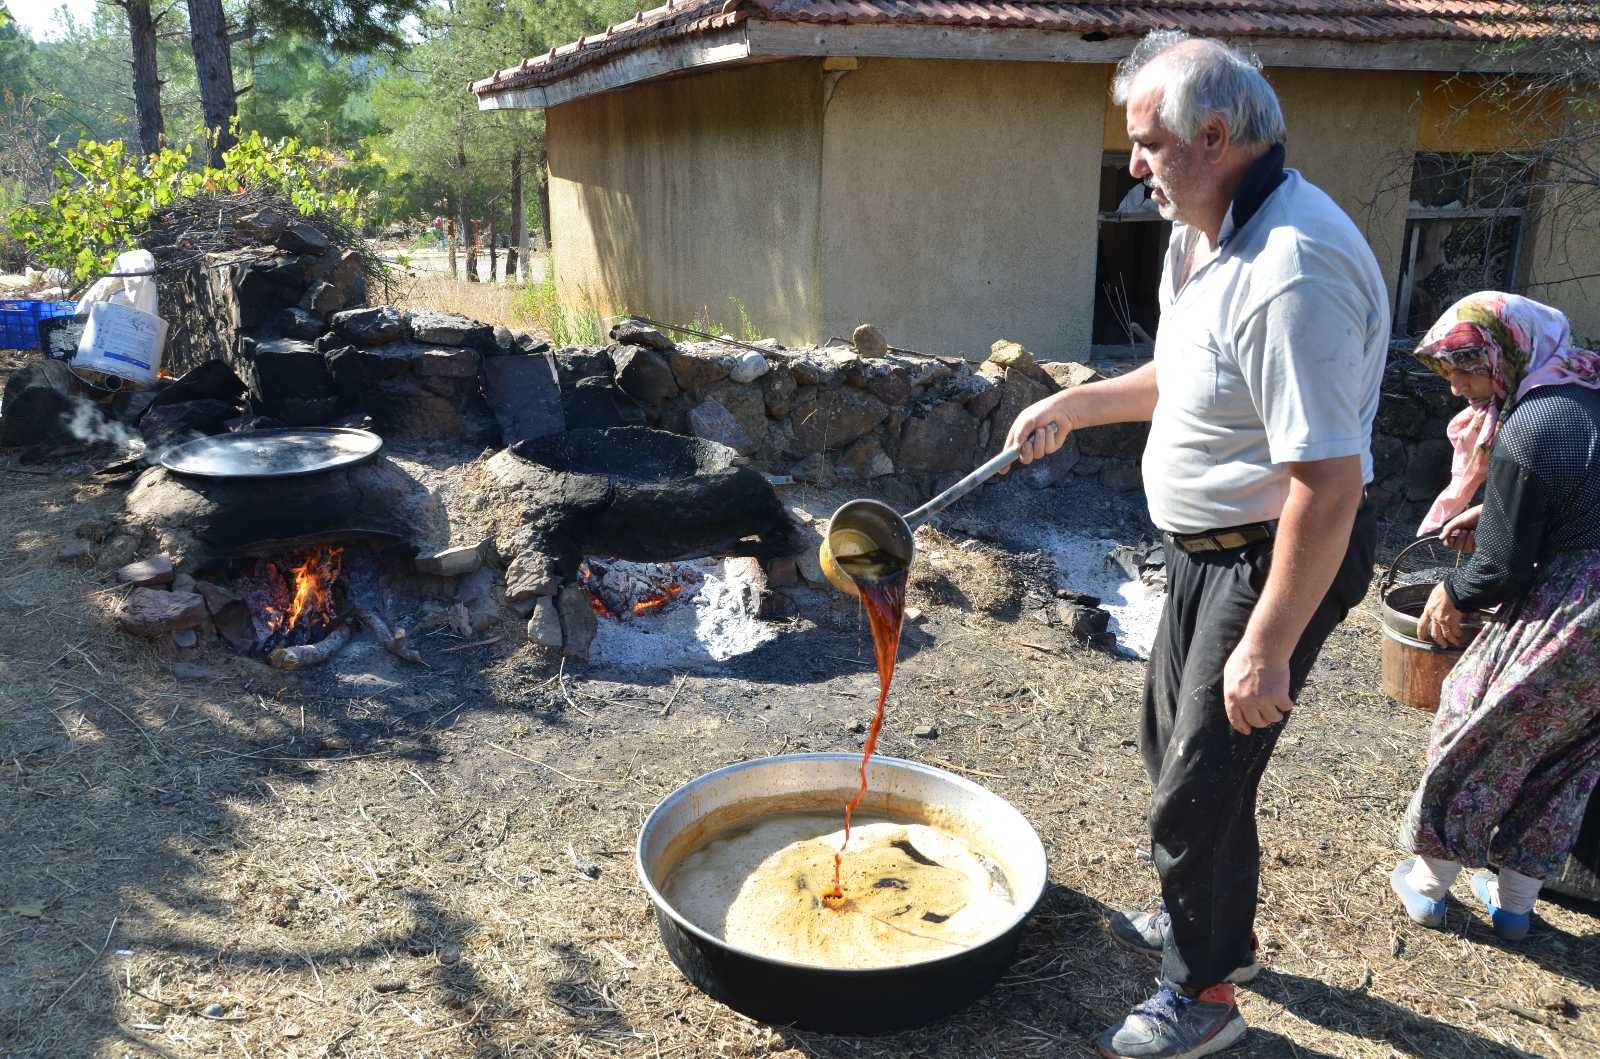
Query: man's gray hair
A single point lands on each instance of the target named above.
(1202, 82)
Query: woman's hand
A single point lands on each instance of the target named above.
(1040, 429)
(1440, 621)
(1461, 532)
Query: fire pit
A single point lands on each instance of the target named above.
(640, 494)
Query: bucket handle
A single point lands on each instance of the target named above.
(1394, 567)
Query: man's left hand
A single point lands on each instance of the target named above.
(1255, 689)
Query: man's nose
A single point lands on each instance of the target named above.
(1137, 165)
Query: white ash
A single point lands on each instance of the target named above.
(712, 620)
(1083, 564)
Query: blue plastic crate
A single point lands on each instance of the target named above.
(19, 320)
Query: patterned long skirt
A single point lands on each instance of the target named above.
(1515, 746)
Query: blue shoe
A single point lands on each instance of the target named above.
(1172, 1026)
(1146, 932)
(1511, 926)
(1421, 910)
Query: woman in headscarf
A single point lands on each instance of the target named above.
(1515, 746)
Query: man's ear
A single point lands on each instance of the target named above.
(1214, 139)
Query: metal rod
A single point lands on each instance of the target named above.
(966, 485)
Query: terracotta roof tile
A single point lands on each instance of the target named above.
(1372, 21)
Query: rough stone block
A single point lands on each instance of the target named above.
(452, 562)
(694, 371)
(438, 328)
(1010, 355)
(524, 395)
(531, 573)
(633, 333)
(869, 342)
(778, 389)
(151, 612)
(832, 418)
(40, 401)
(747, 367)
(147, 573)
(943, 439)
(578, 622)
(322, 299)
(1068, 373)
(865, 459)
(302, 237)
(544, 624)
(710, 420)
(373, 326)
(644, 374)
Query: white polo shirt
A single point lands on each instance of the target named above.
(1270, 351)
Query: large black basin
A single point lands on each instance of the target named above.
(646, 495)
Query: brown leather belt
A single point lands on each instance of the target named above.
(1224, 539)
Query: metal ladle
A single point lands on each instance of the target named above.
(892, 532)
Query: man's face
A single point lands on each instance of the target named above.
(1171, 168)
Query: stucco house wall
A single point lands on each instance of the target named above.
(958, 203)
(951, 202)
(692, 195)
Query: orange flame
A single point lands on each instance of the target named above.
(670, 592)
(311, 583)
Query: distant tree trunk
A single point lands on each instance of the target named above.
(461, 205)
(450, 227)
(213, 63)
(493, 247)
(517, 260)
(146, 82)
(544, 208)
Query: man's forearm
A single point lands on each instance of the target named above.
(1312, 538)
(1127, 398)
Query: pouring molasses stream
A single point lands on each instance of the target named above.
(866, 551)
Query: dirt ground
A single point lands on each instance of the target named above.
(206, 858)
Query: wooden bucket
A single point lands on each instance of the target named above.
(1413, 668)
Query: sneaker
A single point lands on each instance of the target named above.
(1511, 926)
(1421, 908)
(1146, 932)
(1172, 1026)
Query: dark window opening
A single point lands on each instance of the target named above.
(1464, 232)
(1132, 244)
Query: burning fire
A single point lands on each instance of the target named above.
(304, 595)
(615, 587)
(670, 592)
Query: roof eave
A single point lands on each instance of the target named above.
(761, 39)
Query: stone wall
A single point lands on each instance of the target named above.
(908, 426)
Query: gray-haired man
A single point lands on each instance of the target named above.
(1261, 396)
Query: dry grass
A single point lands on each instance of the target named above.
(492, 303)
(206, 859)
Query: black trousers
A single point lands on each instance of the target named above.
(1205, 775)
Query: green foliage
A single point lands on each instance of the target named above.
(576, 326)
(107, 196)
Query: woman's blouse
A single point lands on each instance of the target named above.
(1542, 495)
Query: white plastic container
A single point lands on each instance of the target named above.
(123, 342)
(124, 336)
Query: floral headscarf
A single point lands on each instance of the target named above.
(1520, 344)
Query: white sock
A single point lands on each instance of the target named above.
(1514, 891)
(1431, 876)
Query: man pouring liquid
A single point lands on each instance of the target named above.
(1261, 397)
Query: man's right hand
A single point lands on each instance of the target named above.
(1041, 428)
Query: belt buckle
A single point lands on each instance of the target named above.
(1230, 539)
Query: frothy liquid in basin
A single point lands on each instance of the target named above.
(914, 892)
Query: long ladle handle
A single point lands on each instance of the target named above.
(995, 465)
